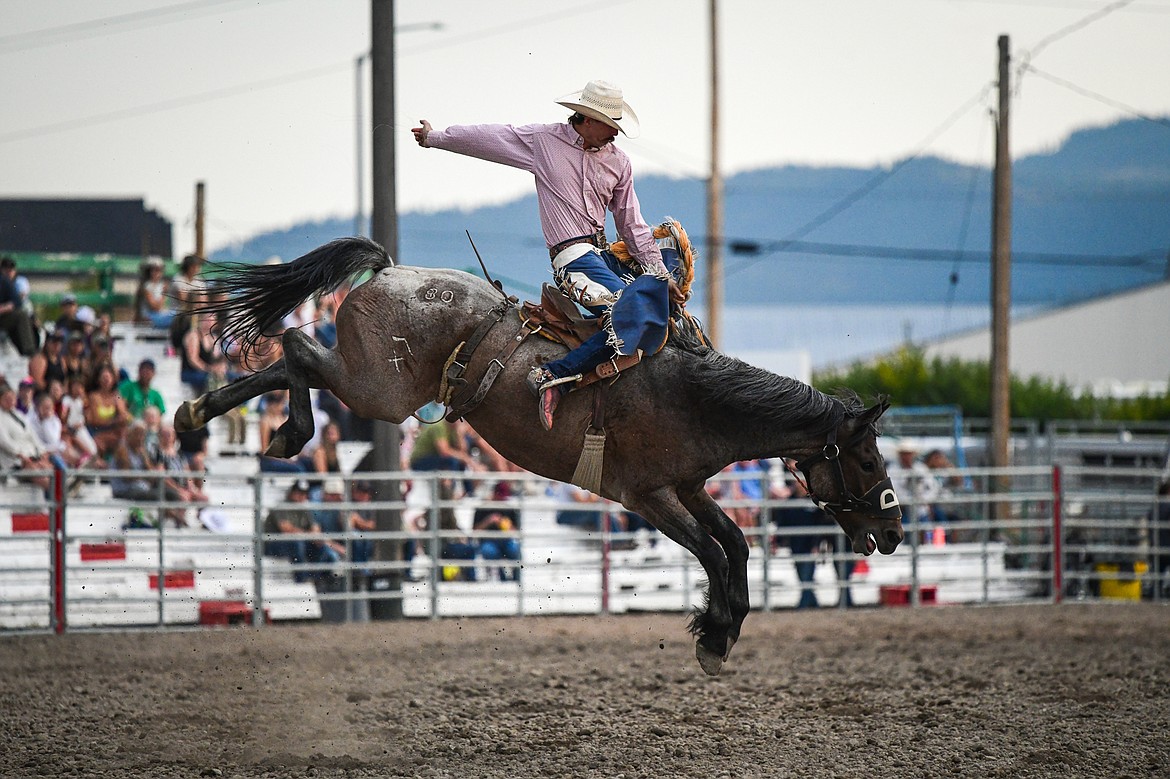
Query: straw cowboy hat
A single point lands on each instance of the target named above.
(602, 101)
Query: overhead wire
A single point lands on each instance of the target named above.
(964, 228)
(875, 181)
(178, 102)
(1162, 120)
(109, 25)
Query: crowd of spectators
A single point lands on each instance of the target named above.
(77, 405)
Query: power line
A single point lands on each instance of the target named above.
(740, 246)
(591, 9)
(1096, 96)
(178, 102)
(1080, 24)
(109, 25)
(876, 181)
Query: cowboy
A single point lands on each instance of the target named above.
(580, 175)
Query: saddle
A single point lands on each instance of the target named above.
(558, 319)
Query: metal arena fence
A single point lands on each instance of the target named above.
(80, 559)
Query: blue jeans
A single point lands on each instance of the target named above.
(277, 465)
(500, 549)
(602, 268)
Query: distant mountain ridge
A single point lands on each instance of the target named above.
(1089, 218)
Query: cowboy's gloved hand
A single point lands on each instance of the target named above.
(421, 133)
(676, 293)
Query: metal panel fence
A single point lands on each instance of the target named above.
(75, 559)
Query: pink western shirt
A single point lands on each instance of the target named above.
(574, 187)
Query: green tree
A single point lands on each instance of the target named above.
(910, 379)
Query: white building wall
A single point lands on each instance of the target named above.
(1118, 343)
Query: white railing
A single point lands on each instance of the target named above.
(68, 562)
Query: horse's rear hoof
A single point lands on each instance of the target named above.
(710, 662)
(189, 416)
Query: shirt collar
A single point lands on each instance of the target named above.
(573, 137)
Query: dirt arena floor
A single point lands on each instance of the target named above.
(1026, 691)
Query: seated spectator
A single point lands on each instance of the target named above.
(325, 329)
(67, 323)
(180, 485)
(14, 316)
(202, 359)
(193, 446)
(131, 455)
(616, 519)
(105, 412)
(187, 286)
(49, 363)
(101, 353)
(19, 448)
(940, 510)
(342, 521)
(501, 520)
(24, 396)
(141, 393)
(441, 447)
(151, 304)
(295, 520)
(747, 487)
(453, 546)
(76, 359)
(20, 284)
(152, 418)
(325, 456)
(584, 517)
(47, 427)
(73, 419)
(273, 414)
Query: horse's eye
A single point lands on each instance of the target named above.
(867, 466)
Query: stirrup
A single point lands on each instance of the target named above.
(540, 379)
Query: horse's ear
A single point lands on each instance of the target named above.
(873, 413)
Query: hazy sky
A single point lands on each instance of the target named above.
(129, 98)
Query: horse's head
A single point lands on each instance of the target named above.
(847, 478)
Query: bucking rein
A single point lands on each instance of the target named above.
(558, 319)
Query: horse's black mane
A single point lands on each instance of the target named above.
(754, 393)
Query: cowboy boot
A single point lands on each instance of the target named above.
(548, 389)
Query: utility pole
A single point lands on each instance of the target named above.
(1001, 273)
(360, 162)
(714, 258)
(384, 229)
(199, 212)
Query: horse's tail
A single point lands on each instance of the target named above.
(252, 300)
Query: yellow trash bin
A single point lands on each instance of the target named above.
(1121, 581)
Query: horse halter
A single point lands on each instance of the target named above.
(879, 501)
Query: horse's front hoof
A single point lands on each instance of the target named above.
(710, 662)
(189, 416)
(276, 447)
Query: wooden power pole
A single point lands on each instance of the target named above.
(714, 259)
(384, 229)
(1001, 272)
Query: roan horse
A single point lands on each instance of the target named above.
(670, 423)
